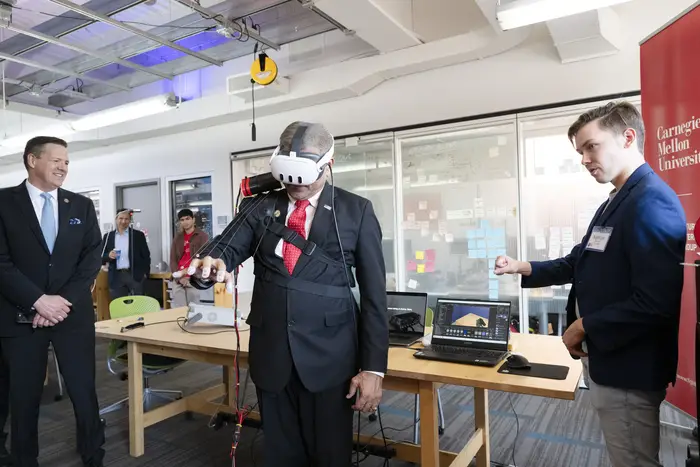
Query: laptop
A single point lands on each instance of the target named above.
(406, 314)
(467, 331)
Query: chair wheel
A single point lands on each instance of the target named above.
(189, 415)
(57, 397)
(441, 430)
(123, 376)
(373, 417)
(103, 422)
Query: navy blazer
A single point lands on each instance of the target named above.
(629, 296)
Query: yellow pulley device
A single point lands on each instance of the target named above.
(263, 70)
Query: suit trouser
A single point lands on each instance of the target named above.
(4, 396)
(305, 429)
(630, 423)
(183, 296)
(125, 285)
(27, 358)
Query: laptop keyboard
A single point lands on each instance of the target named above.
(471, 352)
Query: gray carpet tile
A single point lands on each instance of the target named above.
(550, 433)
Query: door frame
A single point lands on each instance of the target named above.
(118, 199)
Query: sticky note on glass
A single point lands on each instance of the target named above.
(430, 255)
(411, 266)
(449, 238)
(422, 205)
(433, 214)
(421, 269)
(430, 266)
(420, 255)
(412, 284)
(493, 294)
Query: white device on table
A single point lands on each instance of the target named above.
(215, 315)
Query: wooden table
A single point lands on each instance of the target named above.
(406, 374)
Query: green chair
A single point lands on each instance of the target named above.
(153, 365)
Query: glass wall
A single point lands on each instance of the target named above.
(94, 195)
(451, 198)
(459, 196)
(194, 194)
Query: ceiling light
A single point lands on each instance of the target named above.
(525, 12)
(123, 113)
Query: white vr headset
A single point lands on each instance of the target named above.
(298, 167)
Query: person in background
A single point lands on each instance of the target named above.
(624, 306)
(189, 240)
(313, 356)
(126, 252)
(49, 259)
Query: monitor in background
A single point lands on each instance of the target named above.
(471, 323)
(406, 312)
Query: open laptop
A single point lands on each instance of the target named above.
(469, 331)
(406, 314)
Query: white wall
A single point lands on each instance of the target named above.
(531, 75)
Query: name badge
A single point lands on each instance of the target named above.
(599, 239)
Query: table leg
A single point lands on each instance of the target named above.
(481, 417)
(429, 438)
(136, 425)
(230, 382)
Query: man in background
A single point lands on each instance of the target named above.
(126, 251)
(49, 259)
(189, 240)
(624, 306)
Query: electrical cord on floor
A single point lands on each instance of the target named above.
(517, 432)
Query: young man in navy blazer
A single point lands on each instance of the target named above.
(624, 305)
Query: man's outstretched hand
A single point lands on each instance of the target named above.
(370, 387)
(208, 268)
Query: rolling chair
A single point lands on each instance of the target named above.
(153, 365)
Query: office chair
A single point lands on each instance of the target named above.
(152, 364)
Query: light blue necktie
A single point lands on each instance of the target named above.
(48, 221)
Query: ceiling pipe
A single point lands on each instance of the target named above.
(134, 30)
(94, 53)
(60, 71)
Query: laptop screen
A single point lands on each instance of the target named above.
(406, 312)
(470, 322)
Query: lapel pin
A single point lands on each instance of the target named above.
(327, 207)
(65, 200)
(277, 213)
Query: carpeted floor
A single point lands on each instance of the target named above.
(551, 433)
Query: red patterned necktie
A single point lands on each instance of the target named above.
(296, 222)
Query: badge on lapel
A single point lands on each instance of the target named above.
(74, 221)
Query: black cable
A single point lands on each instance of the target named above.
(381, 428)
(517, 428)
(180, 322)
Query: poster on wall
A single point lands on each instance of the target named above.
(671, 111)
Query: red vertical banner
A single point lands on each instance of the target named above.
(670, 74)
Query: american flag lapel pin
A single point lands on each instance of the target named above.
(327, 207)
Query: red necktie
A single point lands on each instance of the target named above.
(296, 222)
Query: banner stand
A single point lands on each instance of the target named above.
(671, 112)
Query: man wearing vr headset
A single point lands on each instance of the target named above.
(314, 356)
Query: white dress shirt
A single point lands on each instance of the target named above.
(38, 202)
(121, 243)
(310, 212)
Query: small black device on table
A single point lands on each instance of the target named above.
(474, 332)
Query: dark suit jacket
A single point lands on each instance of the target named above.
(28, 271)
(318, 332)
(630, 295)
(139, 255)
